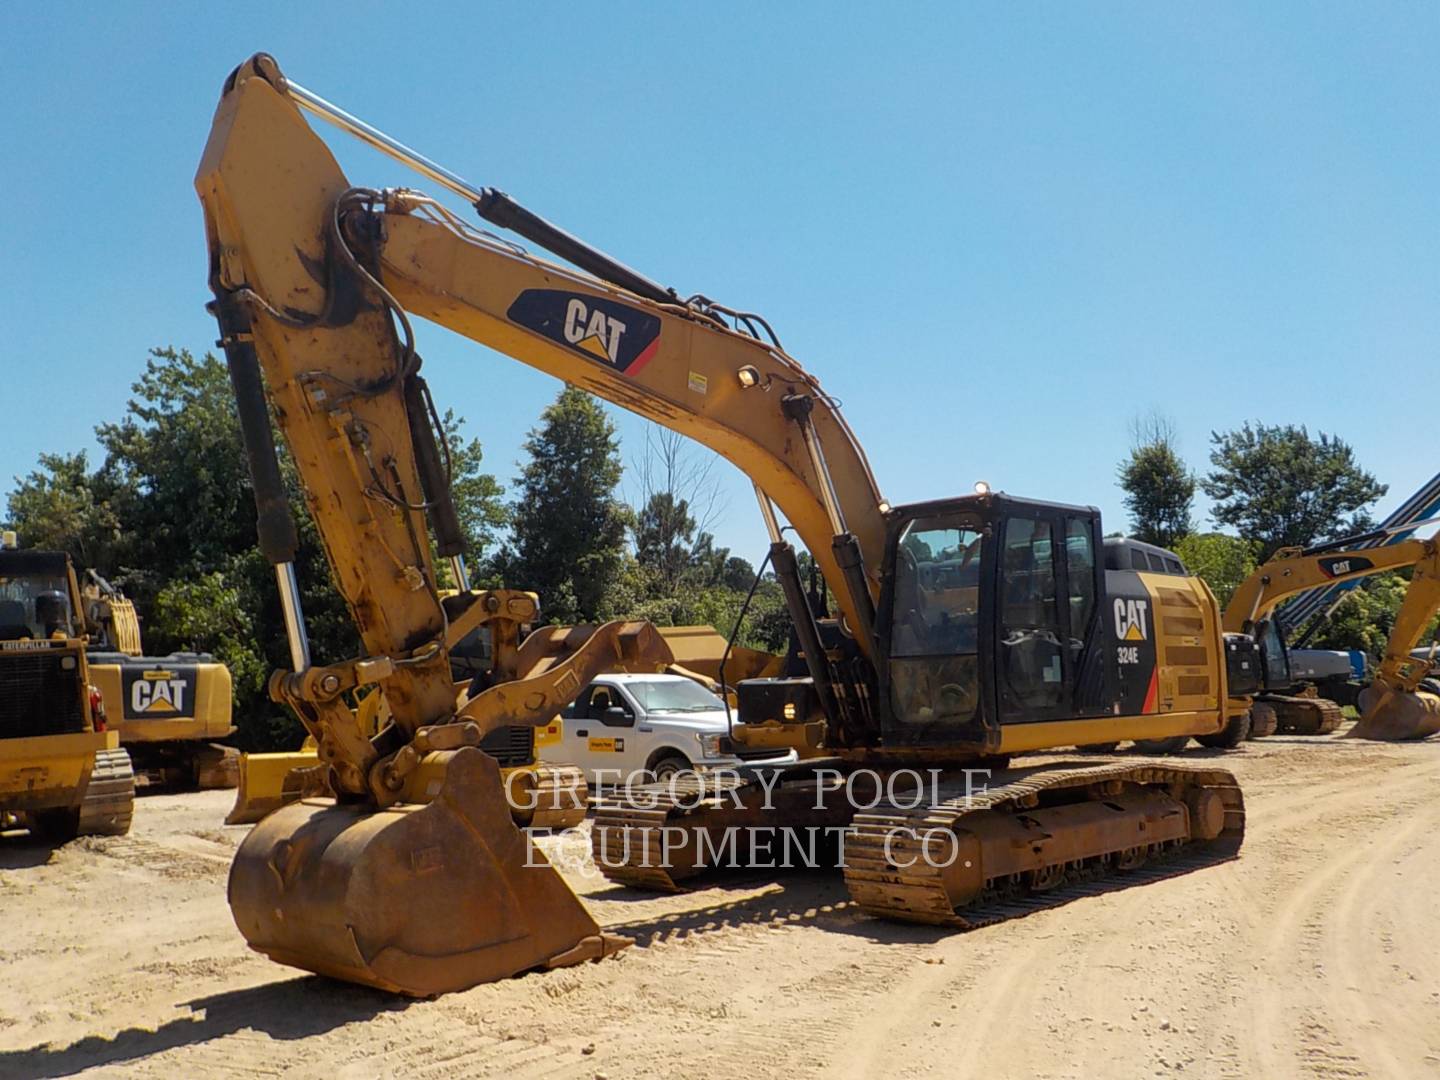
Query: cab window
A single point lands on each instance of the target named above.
(601, 698)
(935, 616)
(937, 590)
(1080, 572)
(1031, 657)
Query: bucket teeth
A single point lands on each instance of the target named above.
(420, 900)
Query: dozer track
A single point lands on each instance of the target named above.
(560, 797)
(627, 838)
(1306, 715)
(1038, 841)
(655, 836)
(109, 801)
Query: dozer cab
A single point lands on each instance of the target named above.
(62, 773)
(961, 632)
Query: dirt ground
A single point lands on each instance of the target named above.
(1313, 954)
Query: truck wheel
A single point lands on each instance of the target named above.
(1235, 731)
(1172, 745)
(669, 766)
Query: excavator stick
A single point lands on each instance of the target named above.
(1394, 715)
(414, 899)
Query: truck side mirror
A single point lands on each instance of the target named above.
(615, 716)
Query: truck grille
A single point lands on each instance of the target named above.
(510, 746)
(38, 696)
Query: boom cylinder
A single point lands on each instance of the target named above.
(440, 502)
(274, 524)
(787, 572)
(273, 520)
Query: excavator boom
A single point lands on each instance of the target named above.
(964, 628)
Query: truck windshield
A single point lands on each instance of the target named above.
(673, 695)
(33, 605)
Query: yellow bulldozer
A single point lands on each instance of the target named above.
(63, 772)
(963, 630)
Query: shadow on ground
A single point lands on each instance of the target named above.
(294, 1009)
(21, 851)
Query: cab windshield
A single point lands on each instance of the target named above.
(937, 589)
(33, 605)
(673, 696)
(935, 627)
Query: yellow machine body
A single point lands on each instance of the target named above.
(61, 772)
(416, 877)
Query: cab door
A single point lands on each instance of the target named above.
(1050, 660)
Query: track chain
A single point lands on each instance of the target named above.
(561, 797)
(916, 893)
(626, 837)
(108, 804)
(1320, 716)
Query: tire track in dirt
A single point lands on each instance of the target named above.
(1295, 928)
(1357, 960)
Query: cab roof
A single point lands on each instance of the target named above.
(33, 563)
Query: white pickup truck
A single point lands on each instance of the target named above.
(660, 725)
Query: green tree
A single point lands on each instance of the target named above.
(62, 506)
(665, 540)
(479, 497)
(170, 517)
(1159, 489)
(1223, 561)
(568, 526)
(1364, 617)
(1281, 488)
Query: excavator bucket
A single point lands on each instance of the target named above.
(1396, 715)
(414, 899)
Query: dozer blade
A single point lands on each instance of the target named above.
(420, 900)
(262, 787)
(1395, 715)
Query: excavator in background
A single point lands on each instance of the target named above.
(559, 797)
(169, 711)
(1392, 708)
(1403, 699)
(63, 772)
(964, 630)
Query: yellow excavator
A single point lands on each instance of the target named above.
(1403, 701)
(169, 711)
(1392, 707)
(965, 630)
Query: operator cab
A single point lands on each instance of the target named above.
(34, 595)
(990, 616)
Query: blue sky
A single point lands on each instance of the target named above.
(997, 233)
